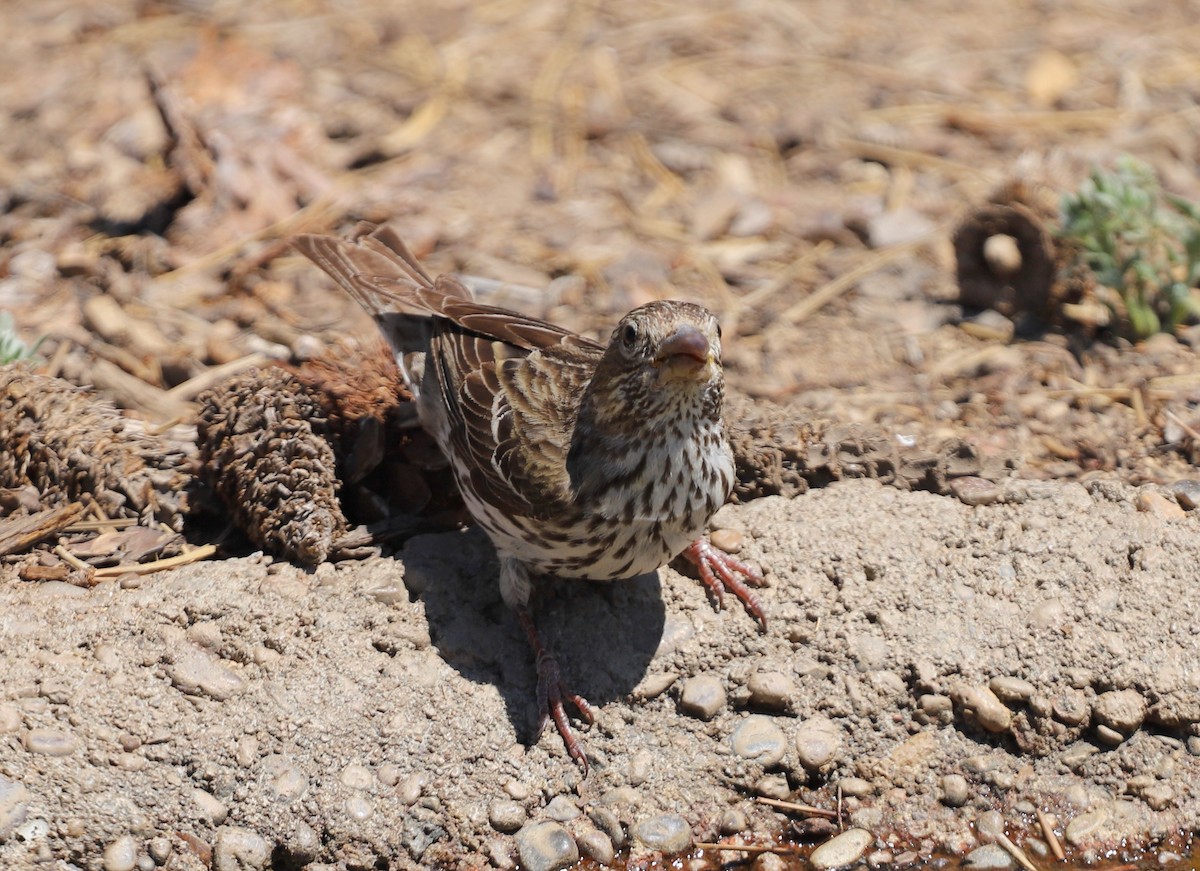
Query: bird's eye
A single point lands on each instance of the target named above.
(629, 334)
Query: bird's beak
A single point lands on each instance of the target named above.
(685, 353)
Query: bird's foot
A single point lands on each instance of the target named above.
(720, 572)
(552, 694)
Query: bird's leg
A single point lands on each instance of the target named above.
(719, 571)
(552, 693)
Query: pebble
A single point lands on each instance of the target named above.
(159, 850)
(607, 822)
(732, 821)
(702, 696)
(955, 790)
(990, 825)
(210, 807)
(561, 809)
(856, 786)
(1070, 707)
(1187, 493)
(989, 856)
(121, 854)
(1121, 710)
(597, 846)
(410, 787)
(355, 776)
(638, 770)
(196, 672)
(728, 540)
(758, 738)
(286, 779)
(971, 490)
(771, 690)
(1080, 828)
(1155, 503)
(14, 806)
(840, 850)
(981, 705)
(239, 849)
(506, 816)
(50, 742)
(359, 808)
(1107, 736)
(669, 833)
(546, 846)
(769, 862)
(1011, 689)
(1158, 797)
(818, 742)
(772, 786)
(10, 719)
(654, 685)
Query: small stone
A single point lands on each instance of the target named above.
(1193, 745)
(989, 857)
(1155, 503)
(121, 854)
(159, 850)
(955, 790)
(1070, 707)
(1011, 689)
(702, 696)
(359, 807)
(409, 789)
(355, 776)
(758, 738)
(879, 858)
(856, 786)
(10, 719)
(668, 833)
(211, 808)
(506, 816)
(516, 790)
(546, 846)
(1108, 736)
(299, 843)
(732, 821)
(1121, 710)
(50, 742)
(654, 685)
(197, 672)
(607, 822)
(239, 849)
(1080, 829)
(597, 846)
(769, 862)
(729, 540)
(971, 490)
(818, 742)
(841, 850)
(561, 809)
(1186, 493)
(14, 806)
(1159, 796)
(772, 786)
(771, 690)
(981, 705)
(990, 825)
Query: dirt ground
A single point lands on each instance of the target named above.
(941, 667)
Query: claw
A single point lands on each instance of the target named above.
(552, 694)
(719, 571)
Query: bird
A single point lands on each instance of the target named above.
(578, 459)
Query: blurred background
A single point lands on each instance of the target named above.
(799, 167)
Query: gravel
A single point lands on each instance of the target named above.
(248, 708)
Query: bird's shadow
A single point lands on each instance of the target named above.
(603, 634)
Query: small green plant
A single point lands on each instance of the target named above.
(1140, 242)
(12, 348)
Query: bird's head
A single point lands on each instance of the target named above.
(664, 359)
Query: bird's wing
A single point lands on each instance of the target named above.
(511, 383)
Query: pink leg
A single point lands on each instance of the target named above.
(552, 693)
(719, 571)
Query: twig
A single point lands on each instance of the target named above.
(193, 387)
(799, 808)
(72, 560)
(1015, 851)
(94, 525)
(1184, 426)
(1051, 838)
(183, 559)
(18, 534)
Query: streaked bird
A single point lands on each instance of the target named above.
(579, 460)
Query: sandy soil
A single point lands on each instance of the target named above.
(948, 666)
